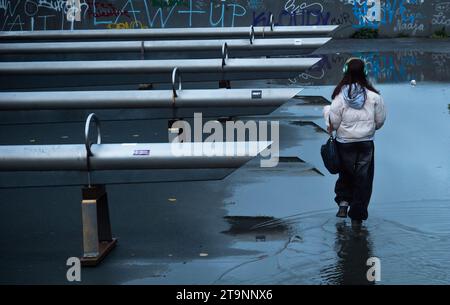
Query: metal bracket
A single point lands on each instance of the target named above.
(252, 34)
(87, 126)
(88, 142)
(271, 22)
(224, 54)
(175, 73)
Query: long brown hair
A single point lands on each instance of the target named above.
(354, 74)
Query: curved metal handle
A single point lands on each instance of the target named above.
(176, 72)
(87, 142)
(271, 22)
(224, 53)
(252, 34)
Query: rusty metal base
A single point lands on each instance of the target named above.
(104, 248)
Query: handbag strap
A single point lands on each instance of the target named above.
(330, 132)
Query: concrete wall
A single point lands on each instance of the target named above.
(392, 17)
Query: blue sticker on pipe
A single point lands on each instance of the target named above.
(144, 152)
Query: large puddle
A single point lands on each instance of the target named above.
(260, 226)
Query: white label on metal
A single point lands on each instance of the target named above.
(256, 94)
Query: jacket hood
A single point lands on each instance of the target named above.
(357, 96)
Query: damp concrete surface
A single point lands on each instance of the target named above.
(257, 225)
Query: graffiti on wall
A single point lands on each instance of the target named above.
(98, 9)
(295, 12)
(401, 15)
(37, 14)
(391, 16)
(20, 15)
(441, 14)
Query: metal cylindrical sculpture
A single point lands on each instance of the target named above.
(157, 66)
(161, 46)
(170, 33)
(146, 99)
(128, 156)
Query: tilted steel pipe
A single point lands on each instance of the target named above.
(128, 156)
(158, 46)
(146, 99)
(154, 66)
(170, 33)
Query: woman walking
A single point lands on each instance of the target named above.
(356, 112)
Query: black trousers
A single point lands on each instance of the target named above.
(354, 184)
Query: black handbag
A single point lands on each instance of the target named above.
(330, 155)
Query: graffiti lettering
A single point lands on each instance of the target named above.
(441, 16)
(8, 7)
(74, 10)
(191, 11)
(31, 8)
(367, 13)
(290, 19)
(56, 5)
(440, 19)
(412, 17)
(102, 9)
(399, 13)
(343, 18)
(414, 27)
(127, 25)
(169, 3)
(159, 12)
(293, 7)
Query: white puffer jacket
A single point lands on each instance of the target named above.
(356, 125)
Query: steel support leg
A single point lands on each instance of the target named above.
(224, 84)
(97, 237)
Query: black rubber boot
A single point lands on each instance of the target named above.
(342, 212)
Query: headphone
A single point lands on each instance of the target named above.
(345, 68)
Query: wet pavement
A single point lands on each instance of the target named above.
(258, 225)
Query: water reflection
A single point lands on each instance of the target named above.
(250, 228)
(384, 67)
(353, 247)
